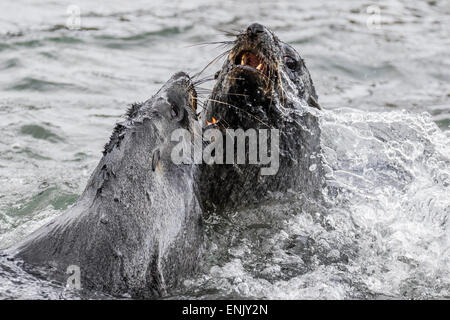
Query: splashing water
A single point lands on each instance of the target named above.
(384, 233)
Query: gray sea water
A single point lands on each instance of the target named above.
(68, 69)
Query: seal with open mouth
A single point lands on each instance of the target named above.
(137, 227)
(264, 84)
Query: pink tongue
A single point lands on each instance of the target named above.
(250, 59)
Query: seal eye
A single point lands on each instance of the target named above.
(290, 62)
(173, 111)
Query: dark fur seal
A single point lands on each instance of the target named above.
(137, 227)
(264, 84)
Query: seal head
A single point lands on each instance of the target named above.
(262, 67)
(263, 84)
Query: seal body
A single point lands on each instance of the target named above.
(264, 84)
(137, 227)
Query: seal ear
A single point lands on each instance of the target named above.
(155, 158)
(313, 103)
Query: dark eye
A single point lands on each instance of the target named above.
(173, 111)
(290, 62)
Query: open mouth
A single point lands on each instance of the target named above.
(250, 60)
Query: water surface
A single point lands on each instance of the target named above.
(384, 83)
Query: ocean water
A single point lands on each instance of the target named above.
(381, 68)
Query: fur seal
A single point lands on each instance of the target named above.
(264, 84)
(137, 228)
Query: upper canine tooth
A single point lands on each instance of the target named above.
(259, 67)
(243, 58)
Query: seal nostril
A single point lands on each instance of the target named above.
(255, 28)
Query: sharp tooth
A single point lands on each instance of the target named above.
(259, 67)
(243, 58)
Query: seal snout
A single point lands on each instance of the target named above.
(181, 75)
(253, 53)
(254, 29)
(184, 81)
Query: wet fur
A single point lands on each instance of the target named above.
(135, 230)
